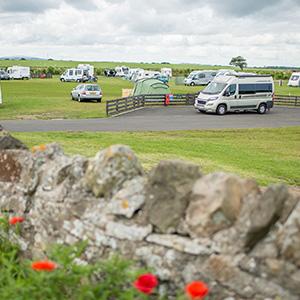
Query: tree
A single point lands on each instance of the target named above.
(239, 61)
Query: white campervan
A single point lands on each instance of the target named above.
(82, 73)
(241, 92)
(200, 77)
(17, 72)
(295, 79)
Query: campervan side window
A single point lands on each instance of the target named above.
(231, 89)
(246, 89)
(295, 77)
(71, 72)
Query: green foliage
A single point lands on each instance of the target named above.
(239, 61)
(103, 280)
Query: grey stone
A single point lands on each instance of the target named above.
(127, 232)
(8, 142)
(110, 169)
(216, 203)
(167, 193)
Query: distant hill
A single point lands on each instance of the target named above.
(21, 58)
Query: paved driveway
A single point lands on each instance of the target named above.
(163, 118)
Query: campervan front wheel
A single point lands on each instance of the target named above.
(192, 84)
(262, 109)
(221, 109)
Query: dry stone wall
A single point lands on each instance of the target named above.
(242, 240)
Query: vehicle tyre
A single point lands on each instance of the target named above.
(221, 110)
(262, 109)
(99, 100)
(192, 84)
(201, 111)
(79, 99)
(78, 80)
(62, 80)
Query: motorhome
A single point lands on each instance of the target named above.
(166, 72)
(17, 72)
(235, 93)
(200, 77)
(121, 71)
(82, 73)
(295, 79)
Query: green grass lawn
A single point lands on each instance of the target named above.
(50, 98)
(268, 155)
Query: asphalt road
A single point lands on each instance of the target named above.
(163, 118)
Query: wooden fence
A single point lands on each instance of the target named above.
(287, 100)
(123, 105)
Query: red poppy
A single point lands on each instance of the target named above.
(146, 283)
(15, 220)
(197, 290)
(43, 266)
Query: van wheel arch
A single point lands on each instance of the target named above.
(221, 109)
(262, 108)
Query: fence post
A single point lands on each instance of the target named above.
(296, 100)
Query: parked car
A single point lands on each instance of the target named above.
(110, 72)
(84, 92)
(200, 77)
(4, 75)
(241, 92)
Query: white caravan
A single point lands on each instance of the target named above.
(89, 70)
(17, 72)
(295, 79)
(143, 74)
(241, 92)
(132, 73)
(121, 71)
(166, 72)
(200, 77)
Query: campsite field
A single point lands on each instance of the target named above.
(50, 98)
(268, 155)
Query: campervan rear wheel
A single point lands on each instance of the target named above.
(221, 109)
(262, 109)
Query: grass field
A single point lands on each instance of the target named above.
(268, 155)
(50, 98)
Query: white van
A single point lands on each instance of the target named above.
(237, 93)
(295, 79)
(73, 74)
(200, 77)
(17, 72)
(82, 73)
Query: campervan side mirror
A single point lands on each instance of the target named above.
(226, 94)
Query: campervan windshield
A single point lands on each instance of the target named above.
(214, 88)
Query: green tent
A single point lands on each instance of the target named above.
(151, 86)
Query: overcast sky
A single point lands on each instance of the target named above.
(266, 32)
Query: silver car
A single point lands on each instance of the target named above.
(87, 92)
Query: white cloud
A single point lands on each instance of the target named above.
(208, 32)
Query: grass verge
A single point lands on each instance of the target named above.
(267, 155)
